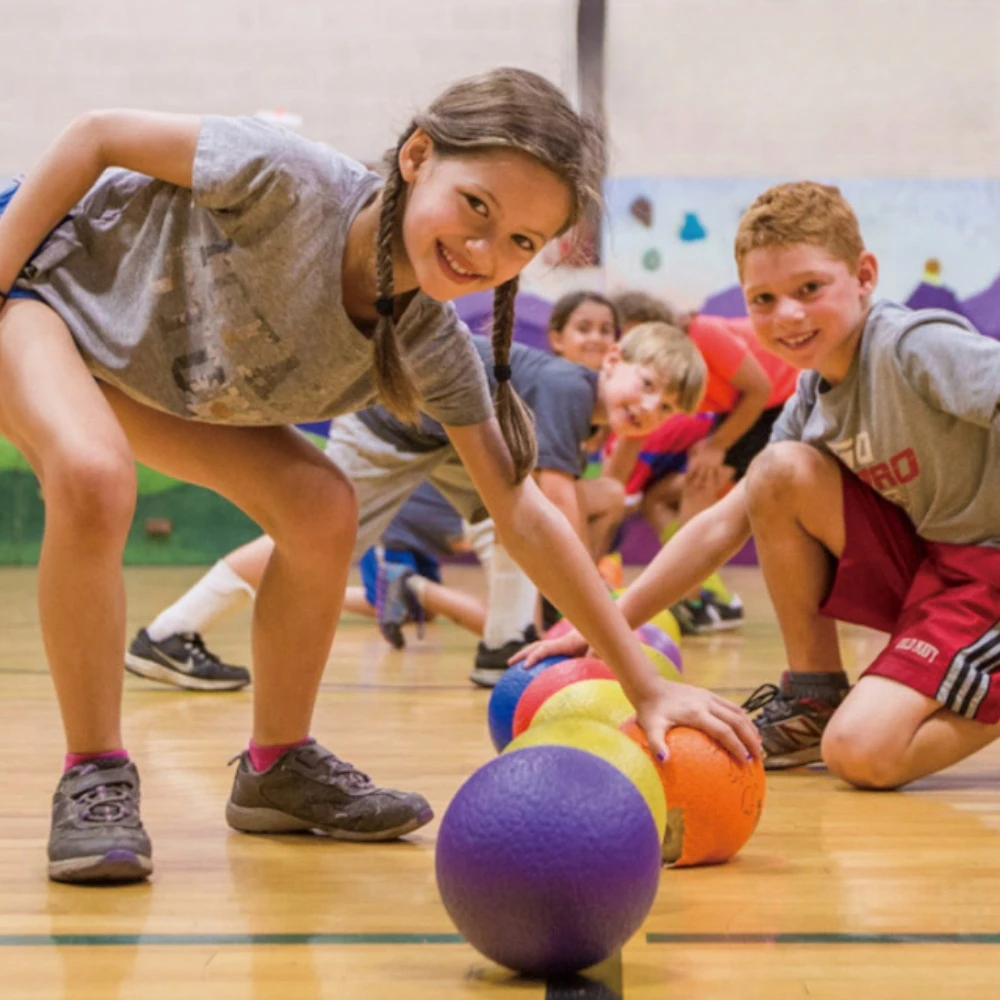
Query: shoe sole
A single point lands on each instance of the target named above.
(800, 758)
(261, 820)
(725, 626)
(485, 677)
(153, 671)
(116, 866)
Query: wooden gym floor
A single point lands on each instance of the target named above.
(840, 894)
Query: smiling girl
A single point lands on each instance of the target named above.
(232, 279)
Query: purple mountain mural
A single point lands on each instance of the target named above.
(531, 316)
(984, 310)
(927, 296)
(729, 304)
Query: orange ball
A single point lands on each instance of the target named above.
(585, 668)
(713, 800)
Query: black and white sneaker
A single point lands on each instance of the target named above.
(183, 660)
(729, 613)
(491, 664)
(696, 617)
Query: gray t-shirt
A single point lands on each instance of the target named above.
(915, 418)
(223, 303)
(561, 395)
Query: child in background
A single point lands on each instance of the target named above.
(687, 463)
(874, 503)
(234, 279)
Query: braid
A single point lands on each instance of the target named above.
(516, 420)
(392, 375)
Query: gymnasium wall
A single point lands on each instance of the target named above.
(702, 95)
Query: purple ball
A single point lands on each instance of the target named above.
(656, 638)
(548, 860)
(506, 695)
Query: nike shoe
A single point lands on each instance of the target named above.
(183, 660)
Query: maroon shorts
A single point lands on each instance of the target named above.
(940, 603)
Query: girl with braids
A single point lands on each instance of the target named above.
(230, 279)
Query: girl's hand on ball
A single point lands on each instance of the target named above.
(671, 704)
(572, 644)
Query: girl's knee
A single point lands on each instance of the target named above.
(321, 513)
(93, 489)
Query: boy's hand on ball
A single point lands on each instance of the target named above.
(671, 704)
(572, 644)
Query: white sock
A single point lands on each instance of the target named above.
(512, 601)
(219, 592)
(481, 537)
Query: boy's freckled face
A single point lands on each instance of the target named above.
(635, 397)
(807, 306)
(473, 222)
(586, 336)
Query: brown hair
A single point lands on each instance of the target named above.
(673, 355)
(801, 212)
(641, 307)
(569, 303)
(510, 109)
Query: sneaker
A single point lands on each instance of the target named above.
(790, 727)
(97, 835)
(183, 660)
(396, 604)
(695, 617)
(492, 663)
(309, 789)
(729, 613)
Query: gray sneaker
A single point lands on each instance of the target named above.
(185, 661)
(309, 789)
(97, 835)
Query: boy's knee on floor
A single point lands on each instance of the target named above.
(861, 758)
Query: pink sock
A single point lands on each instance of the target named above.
(72, 759)
(264, 757)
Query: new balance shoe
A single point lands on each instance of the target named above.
(396, 604)
(97, 835)
(310, 789)
(695, 617)
(729, 613)
(183, 660)
(492, 663)
(791, 725)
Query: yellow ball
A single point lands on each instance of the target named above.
(665, 620)
(597, 700)
(662, 663)
(610, 745)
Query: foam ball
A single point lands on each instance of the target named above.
(609, 744)
(654, 637)
(507, 693)
(558, 630)
(543, 687)
(664, 666)
(713, 801)
(666, 621)
(600, 700)
(548, 860)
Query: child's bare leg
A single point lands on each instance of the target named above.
(660, 503)
(307, 507)
(885, 735)
(249, 561)
(356, 603)
(796, 509)
(461, 608)
(53, 411)
(602, 502)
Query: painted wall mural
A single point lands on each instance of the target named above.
(938, 241)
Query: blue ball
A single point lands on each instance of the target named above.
(507, 693)
(548, 860)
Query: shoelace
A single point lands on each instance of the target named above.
(763, 698)
(194, 642)
(316, 755)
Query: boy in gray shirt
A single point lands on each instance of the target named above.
(875, 503)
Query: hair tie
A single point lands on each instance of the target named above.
(501, 373)
(384, 305)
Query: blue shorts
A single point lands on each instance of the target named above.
(5, 196)
(421, 564)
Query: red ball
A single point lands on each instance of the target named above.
(585, 668)
(561, 628)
